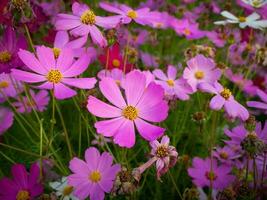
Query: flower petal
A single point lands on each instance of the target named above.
(112, 92)
(83, 83)
(101, 109)
(125, 135)
(63, 92)
(148, 131)
(27, 76)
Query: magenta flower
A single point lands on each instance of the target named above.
(38, 101)
(6, 119)
(23, 185)
(200, 70)
(239, 133)
(166, 155)
(9, 87)
(83, 21)
(62, 41)
(226, 155)
(93, 177)
(186, 28)
(203, 175)
(262, 105)
(224, 98)
(173, 86)
(115, 74)
(244, 84)
(126, 14)
(142, 104)
(9, 46)
(56, 74)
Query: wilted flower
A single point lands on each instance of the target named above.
(166, 155)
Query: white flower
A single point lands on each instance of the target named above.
(63, 189)
(250, 21)
(255, 3)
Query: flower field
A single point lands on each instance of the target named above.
(146, 99)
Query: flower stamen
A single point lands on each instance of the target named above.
(4, 84)
(88, 17)
(226, 93)
(132, 14)
(170, 82)
(162, 151)
(5, 56)
(95, 176)
(130, 113)
(23, 195)
(54, 76)
(199, 75)
(116, 63)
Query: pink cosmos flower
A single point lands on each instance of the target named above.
(173, 86)
(54, 73)
(224, 98)
(226, 155)
(9, 87)
(9, 46)
(201, 70)
(83, 21)
(149, 60)
(203, 174)
(262, 105)
(6, 119)
(141, 16)
(23, 185)
(93, 177)
(38, 101)
(62, 41)
(115, 74)
(244, 84)
(188, 29)
(166, 155)
(142, 104)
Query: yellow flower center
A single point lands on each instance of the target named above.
(224, 155)
(170, 82)
(3, 84)
(95, 176)
(67, 190)
(56, 52)
(162, 151)
(54, 76)
(23, 195)
(116, 62)
(88, 17)
(226, 93)
(199, 75)
(5, 56)
(242, 19)
(132, 14)
(187, 31)
(130, 113)
(211, 175)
